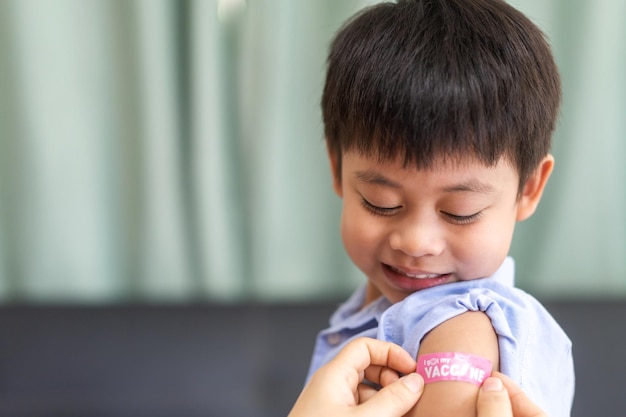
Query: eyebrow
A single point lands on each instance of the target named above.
(472, 186)
(372, 177)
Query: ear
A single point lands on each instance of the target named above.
(335, 170)
(533, 189)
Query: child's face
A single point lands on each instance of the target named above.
(410, 229)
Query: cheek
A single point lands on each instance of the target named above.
(485, 248)
(360, 236)
(353, 234)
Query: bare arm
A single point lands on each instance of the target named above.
(470, 332)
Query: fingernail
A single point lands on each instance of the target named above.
(414, 382)
(492, 384)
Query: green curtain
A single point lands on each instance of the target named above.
(172, 151)
(575, 246)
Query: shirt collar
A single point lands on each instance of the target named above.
(505, 275)
(352, 313)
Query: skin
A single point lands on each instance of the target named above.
(500, 397)
(409, 229)
(336, 389)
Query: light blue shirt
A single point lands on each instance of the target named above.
(534, 351)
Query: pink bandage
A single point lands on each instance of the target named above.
(453, 366)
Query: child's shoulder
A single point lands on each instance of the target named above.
(531, 345)
(513, 312)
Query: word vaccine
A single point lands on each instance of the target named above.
(453, 366)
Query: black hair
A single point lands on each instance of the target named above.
(426, 79)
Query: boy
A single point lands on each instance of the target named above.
(438, 118)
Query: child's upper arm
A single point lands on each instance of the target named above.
(470, 332)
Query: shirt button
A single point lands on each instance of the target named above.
(334, 339)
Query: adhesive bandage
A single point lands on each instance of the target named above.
(453, 366)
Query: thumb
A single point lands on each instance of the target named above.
(493, 399)
(395, 399)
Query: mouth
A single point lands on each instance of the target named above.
(414, 280)
(414, 276)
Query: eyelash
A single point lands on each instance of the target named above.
(385, 211)
(462, 220)
(379, 211)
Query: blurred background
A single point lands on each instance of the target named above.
(172, 151)
(169, 240)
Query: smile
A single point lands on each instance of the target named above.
(414, 276)
(414, 280)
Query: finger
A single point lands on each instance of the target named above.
(388, 376)
(360, 353)
(373, 373)
(522, 405)
(391, 356)
(395, 399)
(493, 400)
(365, 392)
(381, 375)
(335, 383)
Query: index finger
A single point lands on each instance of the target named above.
(363, 352)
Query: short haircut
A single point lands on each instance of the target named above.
(428, 79)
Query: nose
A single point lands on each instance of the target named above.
(417, 239)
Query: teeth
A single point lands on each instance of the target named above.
(416, 276)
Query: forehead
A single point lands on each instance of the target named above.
(455, 174)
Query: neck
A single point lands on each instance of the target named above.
(371, 293)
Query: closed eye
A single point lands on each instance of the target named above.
(380, 211)
(456, 219)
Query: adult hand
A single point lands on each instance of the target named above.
(336, 389)
(500, 397)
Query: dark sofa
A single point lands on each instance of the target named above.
(225, 360)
